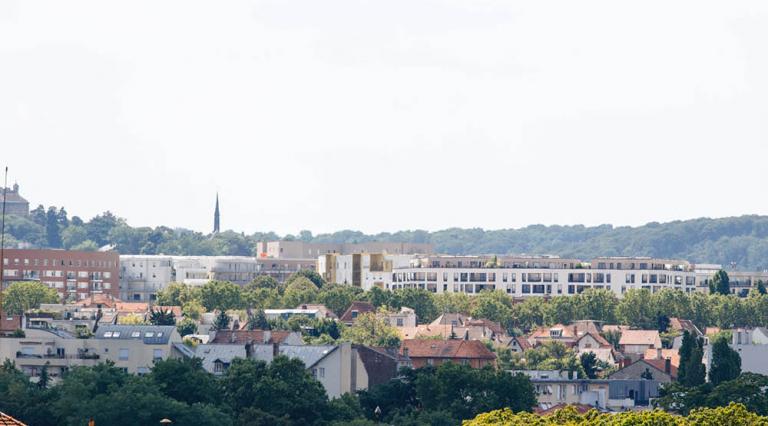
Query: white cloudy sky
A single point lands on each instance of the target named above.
(387, 115)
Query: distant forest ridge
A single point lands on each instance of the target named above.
(740, 242)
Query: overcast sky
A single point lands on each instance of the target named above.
(387, 115)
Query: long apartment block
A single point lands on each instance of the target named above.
(523, 276)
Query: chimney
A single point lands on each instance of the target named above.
(668, 366)
(658, 354)
(275, 350)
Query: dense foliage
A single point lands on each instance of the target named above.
(637, 308)
(748, 389)
(450, 391)
(22, 296)
(733, 414)
(281, 393)
(742, 241)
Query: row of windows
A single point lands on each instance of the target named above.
(62, 262)
(50, 273)
(538, 277)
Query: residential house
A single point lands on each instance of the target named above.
(435, 352)
(323, 311)
(454, 319)
(579, 335)
(517, 344)
(132, 348)
(660, 370)
(562, 387)
(752, 346)
(680, 326)
(342, 368)
(557, 388)
(355, 310)
(636, 342)
(405, 317)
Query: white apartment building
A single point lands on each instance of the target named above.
(741, 282)
(542, 276)
(142, 276)
(364, 270)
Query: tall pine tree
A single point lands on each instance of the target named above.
(726, 363)
(685, 355)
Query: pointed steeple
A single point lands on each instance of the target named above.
(216, 216)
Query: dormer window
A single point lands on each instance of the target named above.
(354, 314)
(555, 332)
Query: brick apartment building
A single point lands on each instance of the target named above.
(75, 275)
(78, 273)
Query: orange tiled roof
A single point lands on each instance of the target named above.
(6, 420)
(98, 299)
(467, 349)
(639, 337)
(175, 309)
(672, 354)
(132, 307)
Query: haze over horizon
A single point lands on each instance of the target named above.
(386, 116)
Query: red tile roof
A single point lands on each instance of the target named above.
(132, 307)
(452, 349)
(175, 309)
(6, 420)
(660, 364)
(98, 299)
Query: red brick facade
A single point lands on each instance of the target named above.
(74, 274)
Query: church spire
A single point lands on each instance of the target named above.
(216, 216)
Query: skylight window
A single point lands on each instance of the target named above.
(136, 334)
(107, 334)
(149, 334)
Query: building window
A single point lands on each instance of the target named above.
(322, 372)
(123, 356)
(157, 354)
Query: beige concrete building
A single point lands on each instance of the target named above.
(303, 250)
(132, 348)
(364, 270)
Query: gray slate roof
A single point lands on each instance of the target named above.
(150, 334)
(225, 353)
(310, 355)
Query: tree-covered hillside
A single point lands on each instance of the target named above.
(740, 240)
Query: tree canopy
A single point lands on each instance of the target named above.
(22, 296)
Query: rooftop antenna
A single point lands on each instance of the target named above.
(2, 239)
